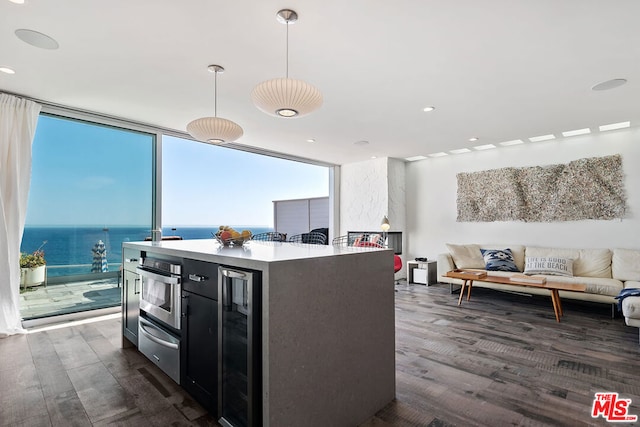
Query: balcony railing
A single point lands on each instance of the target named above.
(79, 273)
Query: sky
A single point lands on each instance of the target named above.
(205, 184)
(90, 175)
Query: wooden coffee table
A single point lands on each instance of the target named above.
(468, 277)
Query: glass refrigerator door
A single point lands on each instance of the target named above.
(236, 352)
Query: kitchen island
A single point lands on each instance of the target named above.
(326, 349)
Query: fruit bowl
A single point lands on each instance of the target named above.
(231, 241)
(229, 237)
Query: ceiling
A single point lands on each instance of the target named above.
(497, 70)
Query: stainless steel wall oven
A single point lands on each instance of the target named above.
(160, 313)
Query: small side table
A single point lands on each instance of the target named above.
(430, 269)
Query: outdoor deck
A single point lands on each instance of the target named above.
(65, 298)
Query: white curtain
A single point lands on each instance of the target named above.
(18, 120)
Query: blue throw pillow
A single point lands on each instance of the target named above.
(498, 260)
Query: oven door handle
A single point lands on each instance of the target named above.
(173, 280)
(153, 338)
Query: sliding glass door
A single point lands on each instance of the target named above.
(91, 189)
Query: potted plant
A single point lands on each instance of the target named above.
(33, 267)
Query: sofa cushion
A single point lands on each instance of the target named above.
(626, 264)
(552, 266)
(593, 263)
(631, 307)
(594, 285)
(586, 262)
(466, 256)
(498, 260)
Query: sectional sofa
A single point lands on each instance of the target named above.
(605, 272)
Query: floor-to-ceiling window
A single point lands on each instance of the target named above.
(205, 186)
(91, 189)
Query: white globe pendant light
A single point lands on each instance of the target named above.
(214, 130)
(285, 97)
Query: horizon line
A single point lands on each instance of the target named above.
(138, 226)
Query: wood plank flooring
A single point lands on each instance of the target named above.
(502, 359)
(497, 360)
(79, 376)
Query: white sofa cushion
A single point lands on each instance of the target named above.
(631, 307)
(593, 263)
(466, 256)
(586, 262)
(595, 285)
(626, 264)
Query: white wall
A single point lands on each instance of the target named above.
(370, 190)
(432, 191)
(364, 195)
(397, 204)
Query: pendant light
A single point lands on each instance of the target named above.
(214, 130)
(285, 97)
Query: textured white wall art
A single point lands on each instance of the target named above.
(590, 188)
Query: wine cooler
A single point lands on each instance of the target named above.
(239, 348)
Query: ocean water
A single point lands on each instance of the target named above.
(68, 250)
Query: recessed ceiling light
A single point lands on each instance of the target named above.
(440, 154)
(484, 147)
(542, 138)
(614, 126)
(512, 142)
(473, 139)
(460, 151)
(374, 157)
(7, 70)
(428, 109)
(36, 39)
(17, 1)
(361, 142)
(414, 158)
(576, 132)
(609, 84)
(311, 140)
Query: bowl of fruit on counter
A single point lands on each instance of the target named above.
(227, 236)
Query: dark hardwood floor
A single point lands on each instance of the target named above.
(502, 359)
(498, 360)
(79, 376)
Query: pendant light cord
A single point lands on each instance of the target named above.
(215, 94)
(287, 70)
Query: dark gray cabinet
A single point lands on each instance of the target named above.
(199, 370)
(130, 295)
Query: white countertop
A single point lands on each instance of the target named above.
(256, 251)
